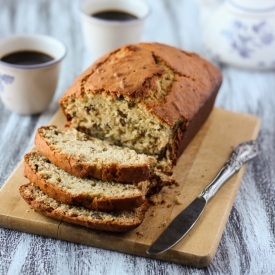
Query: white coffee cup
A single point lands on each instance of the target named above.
(29, 89)
(102, 36)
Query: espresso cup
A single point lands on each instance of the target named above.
(102, 35)
(27, 83)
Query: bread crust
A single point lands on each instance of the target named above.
(113, 225)
(101, 203)
(112, 172)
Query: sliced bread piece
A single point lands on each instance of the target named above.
(109, 221)
(90, 193)
(82, 156)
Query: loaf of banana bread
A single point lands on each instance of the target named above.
(149, 97)
(129, 117)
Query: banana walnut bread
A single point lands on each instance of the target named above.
(130, 116)
(149, 97)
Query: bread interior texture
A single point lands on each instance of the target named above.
(118, 121)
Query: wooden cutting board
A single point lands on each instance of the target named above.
(200, 162)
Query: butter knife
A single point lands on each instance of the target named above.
(181, 225)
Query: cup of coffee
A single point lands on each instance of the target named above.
(109, 24)
(29, 71)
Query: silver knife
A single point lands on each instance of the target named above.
(181, 225)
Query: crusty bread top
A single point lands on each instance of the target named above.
(135, 71)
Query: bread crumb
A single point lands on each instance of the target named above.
(140, 234)
(156, 199)
(169, 205)
(178, 200)
(164, 224)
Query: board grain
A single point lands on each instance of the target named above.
(198, 165)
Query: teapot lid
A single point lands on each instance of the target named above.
(254, 5)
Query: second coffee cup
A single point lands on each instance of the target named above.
(109, 24)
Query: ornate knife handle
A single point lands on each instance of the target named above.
(241, 154)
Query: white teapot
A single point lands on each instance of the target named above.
(240, 32)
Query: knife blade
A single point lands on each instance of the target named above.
(186, 219)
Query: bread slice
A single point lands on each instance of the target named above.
(90, 193)
(109, 221)
(82, 156)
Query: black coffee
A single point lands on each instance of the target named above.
(114, 15)
(26, 58)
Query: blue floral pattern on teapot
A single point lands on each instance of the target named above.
(247, 39)
(240, 32)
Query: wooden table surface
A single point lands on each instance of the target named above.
(248, 242)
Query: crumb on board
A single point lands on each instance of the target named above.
(178, 200)
(156, 199)
(171, 186)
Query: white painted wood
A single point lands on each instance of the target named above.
(248, 242)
